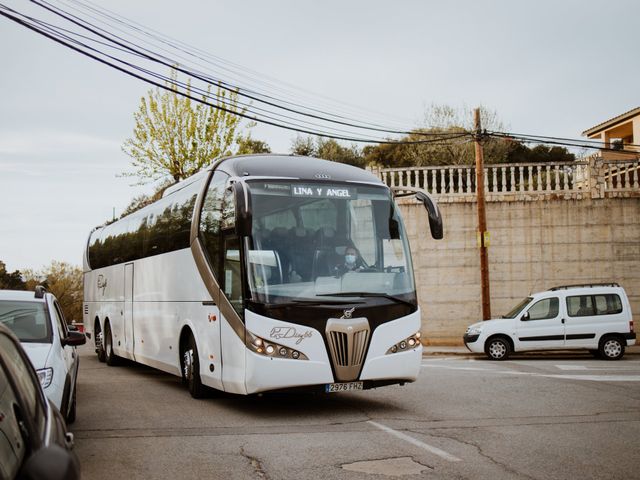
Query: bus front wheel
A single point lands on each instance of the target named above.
(191, 369)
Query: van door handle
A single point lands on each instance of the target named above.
(562, 320)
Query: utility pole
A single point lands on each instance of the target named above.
(483, 234)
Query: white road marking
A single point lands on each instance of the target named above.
(475, 369)
(591, 378)
(417, 443)
(571, 367)
(597, 378)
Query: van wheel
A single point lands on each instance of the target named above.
(191, 369)
(611, 348)
(497, 348)
(111, 358)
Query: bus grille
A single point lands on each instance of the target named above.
(348, 340)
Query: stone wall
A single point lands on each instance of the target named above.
(536, 242)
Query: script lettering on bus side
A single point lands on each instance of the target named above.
(289, 332)
(102, 283)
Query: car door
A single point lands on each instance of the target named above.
(541, 325)
(68, 352)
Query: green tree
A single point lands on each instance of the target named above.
(329, 149)
(445, 120)
(65, 282)
(247, 145)
(174, 136)
(10, 280)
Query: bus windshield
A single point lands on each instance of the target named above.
(313, 241)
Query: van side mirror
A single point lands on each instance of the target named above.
(525, 317)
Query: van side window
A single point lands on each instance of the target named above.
(589, 305)
(544, 309)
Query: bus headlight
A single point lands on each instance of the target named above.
(272, 349)
(45, 375)
(408, 343)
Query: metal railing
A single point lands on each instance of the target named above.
(590, 174)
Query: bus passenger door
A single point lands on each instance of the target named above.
(232, 328)
(128, 310)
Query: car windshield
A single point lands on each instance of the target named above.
(313, 240)
(27, 320)
(518, 308)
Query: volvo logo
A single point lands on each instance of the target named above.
(322, 176)
(348, 313)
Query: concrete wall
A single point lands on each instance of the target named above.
(535, 245)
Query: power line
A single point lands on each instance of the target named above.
(169, 63)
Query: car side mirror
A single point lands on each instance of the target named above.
(75, 339)
(525, 317)
(51, 463)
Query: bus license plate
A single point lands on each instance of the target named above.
(342, 387)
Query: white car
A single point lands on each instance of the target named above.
(594, 317)
(37, 320)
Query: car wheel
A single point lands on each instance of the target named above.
(191, 369)
(71, 416)
(109, 357)
(611, 348)
(99, 339)
(497, 348)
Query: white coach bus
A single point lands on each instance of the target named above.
(262, 273)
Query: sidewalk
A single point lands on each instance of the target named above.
(432, 350)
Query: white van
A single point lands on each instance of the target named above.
(595, 317)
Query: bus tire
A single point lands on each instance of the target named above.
(191, 368)
(99, 341)
(111, 358)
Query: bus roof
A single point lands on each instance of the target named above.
(294, 166)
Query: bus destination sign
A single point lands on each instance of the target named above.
(323, 191)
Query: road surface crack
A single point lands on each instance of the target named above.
(256, 464)
(498, 463)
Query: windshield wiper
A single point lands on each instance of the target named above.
(311, 303)
(367, 294)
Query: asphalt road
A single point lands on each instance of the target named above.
(542, 417)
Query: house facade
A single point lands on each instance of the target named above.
(621, 133)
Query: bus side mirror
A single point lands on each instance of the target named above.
(435, 219)
(243, 209)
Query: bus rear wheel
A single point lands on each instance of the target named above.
(191, 369)
(111, 358)
(99, 340)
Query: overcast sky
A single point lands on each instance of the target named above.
(547, 68)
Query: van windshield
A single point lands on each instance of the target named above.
(518, 308)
